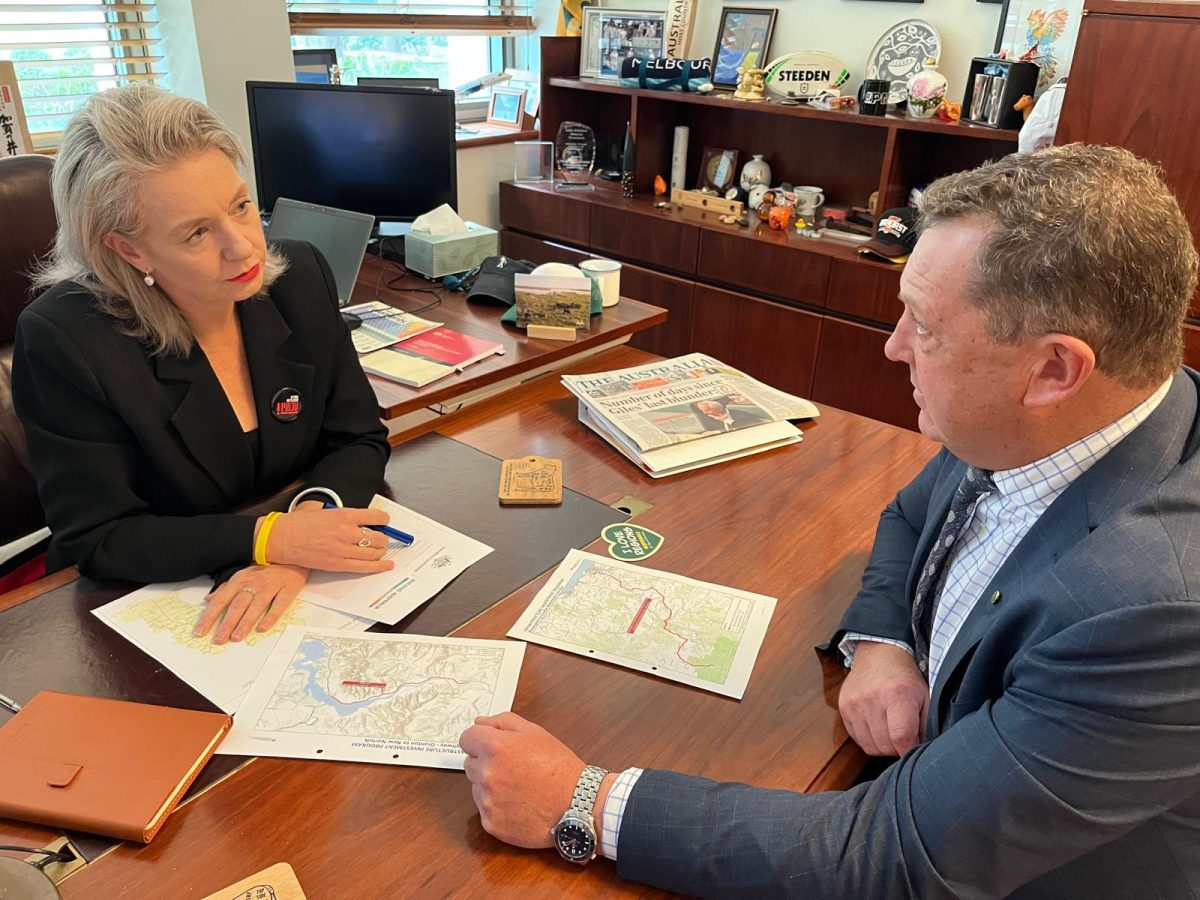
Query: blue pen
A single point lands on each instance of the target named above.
(394, 533)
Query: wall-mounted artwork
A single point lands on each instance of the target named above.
(1042, 32)
(743, 39)
(901, 52)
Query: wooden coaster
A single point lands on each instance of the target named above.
(276, 883)
(531, 480)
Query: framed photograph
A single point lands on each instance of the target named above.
(743, 39)
(507, 107)
(1043, 32)
(610, 36)
(718, 169)
(314, 66)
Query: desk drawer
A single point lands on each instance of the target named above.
(865, 291)
(853, 374)
(774, 343)
(543, 212)
(764, 266)
(522, 246)
(656, 242)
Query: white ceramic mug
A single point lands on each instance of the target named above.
(808, 198)
(607, 275)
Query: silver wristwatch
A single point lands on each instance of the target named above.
(575, 834)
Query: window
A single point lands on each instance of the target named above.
(455, 41)
(63, 52)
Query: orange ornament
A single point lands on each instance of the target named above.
(780, 217)
(660, 186)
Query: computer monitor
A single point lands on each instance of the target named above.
(384, 151)
(364, 81)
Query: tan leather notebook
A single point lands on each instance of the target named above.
(102, 766)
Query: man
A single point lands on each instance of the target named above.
(1027, 634)
(719, 414)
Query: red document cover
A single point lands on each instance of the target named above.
(450, 347)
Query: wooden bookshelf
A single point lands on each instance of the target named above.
(809, 315)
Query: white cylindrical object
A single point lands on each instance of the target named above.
(607, 275)
(679, 158)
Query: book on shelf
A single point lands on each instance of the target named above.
(433, 354)
(685, 413)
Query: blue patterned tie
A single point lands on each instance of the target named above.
(975, 484)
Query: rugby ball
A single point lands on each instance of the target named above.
(805, 74)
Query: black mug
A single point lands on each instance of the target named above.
(873, 96)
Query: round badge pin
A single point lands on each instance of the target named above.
(285, 405)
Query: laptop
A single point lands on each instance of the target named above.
(339, 234)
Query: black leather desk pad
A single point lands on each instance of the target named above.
(53, 642)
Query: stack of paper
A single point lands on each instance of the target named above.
(685, 413)
(431, 355)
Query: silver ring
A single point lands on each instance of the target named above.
(365, 542)
(249, 590)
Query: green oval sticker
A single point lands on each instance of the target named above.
(631, 542)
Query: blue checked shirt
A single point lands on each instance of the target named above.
(999, 521)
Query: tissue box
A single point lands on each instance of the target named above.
(435, 255)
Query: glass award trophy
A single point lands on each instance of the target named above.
(574, 156)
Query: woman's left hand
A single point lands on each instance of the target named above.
(253, 593)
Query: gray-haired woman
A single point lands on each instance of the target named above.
(177, 367)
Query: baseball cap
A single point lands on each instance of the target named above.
(895, 235)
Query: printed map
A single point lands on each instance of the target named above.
(160, 619)
(668, 625)
(389, 698)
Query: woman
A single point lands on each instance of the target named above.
(176, 368)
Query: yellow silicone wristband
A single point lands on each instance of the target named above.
(260, 542)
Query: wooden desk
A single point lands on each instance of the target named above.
(794, 523)
(482, 320)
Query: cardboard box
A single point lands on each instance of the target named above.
(437, 255)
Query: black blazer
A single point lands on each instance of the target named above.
(139, 458)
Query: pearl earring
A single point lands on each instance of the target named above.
(149, 279)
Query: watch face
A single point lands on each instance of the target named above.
(574, 841)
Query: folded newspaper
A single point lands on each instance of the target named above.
(686, 412)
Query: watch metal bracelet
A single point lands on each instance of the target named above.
(586, 789)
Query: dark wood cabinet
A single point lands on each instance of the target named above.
(522, 246)
(868, 292)
(784, 344)
(768, 265)
(655, 240)
(673, 337)
(1156, 110)
(852, 373)
(807, 315)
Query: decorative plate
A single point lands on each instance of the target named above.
(901, 52)
(804, 74)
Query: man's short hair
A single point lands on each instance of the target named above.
(1084, 240)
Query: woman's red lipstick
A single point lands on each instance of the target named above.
(249, 275)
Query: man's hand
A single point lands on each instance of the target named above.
(884, 699)
(522, 778)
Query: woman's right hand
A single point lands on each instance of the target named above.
(333, 540)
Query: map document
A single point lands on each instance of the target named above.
(437, 556)
(689, 631)
(160, 619)
(397, 699)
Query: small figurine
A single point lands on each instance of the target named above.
(1024, 106)
(780, 217)
(751, 85)
(660, 186)
(949, 110)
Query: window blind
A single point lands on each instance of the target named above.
(493, 18)
(63, 52)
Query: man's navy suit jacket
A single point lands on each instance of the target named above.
(1062, 756)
